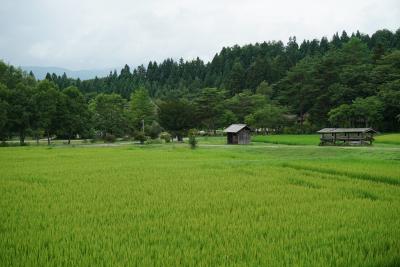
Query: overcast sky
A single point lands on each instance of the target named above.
(84, 34)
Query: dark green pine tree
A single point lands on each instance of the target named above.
(378, 51)
(236, 78)
(344, 38)
(48, 77)
(336, 42)
(324, 45)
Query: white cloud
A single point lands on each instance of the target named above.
(96, 34)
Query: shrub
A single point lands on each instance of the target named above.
(126, 138)
(139, 136)
(154, 141)
(3, 144)
(166, 137)
(306, 128)
(109, 138)
(89, 133)
(153, 130)
(192, 138)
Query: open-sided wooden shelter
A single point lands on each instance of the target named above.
(238, 134)
(347, 136)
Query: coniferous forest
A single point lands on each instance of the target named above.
(349, 80)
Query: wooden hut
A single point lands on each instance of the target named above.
(238, 134)
(346, 136)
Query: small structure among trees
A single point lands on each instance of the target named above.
(238, 134)
(346, 136)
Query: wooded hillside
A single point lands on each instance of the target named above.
(348, 80)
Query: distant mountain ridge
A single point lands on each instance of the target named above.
(40, 72)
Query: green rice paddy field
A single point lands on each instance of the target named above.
(168, 205)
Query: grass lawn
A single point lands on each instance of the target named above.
(169, 205)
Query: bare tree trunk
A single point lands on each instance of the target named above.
(48, 138)
(22, 138)
(301, 121)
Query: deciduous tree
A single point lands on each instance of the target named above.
(177, 116)
(109, 114)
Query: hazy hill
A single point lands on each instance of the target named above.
(40, 72)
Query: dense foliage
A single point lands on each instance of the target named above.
(347, 81)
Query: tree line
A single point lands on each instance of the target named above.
(348, 81)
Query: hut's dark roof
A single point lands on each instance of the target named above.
(347, 130)
(234, 128)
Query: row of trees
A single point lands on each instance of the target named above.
(41, 109)
(348, 81)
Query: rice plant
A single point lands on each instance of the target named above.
(169, 205)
